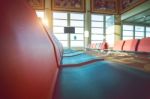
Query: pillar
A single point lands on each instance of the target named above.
(117, 28)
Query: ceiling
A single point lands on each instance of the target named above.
(139, 15)
(142, 18)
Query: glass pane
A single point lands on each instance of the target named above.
(97, 30)
(110, 30)
(147, 28)
(77, 43)
(40, 14)
(60, 22)
(77, 23)
(79, 30)
(138, 37)
(97, 18)
(139, 28)
(109, 17)
(64, 43)
(58, 15)
(127, 38)
(109, 21)
(61, 36)
(96, 42)
(109, 24)
(127, 33)
(76, 36)
(97, 24)
(97, 37)
(110, 38)
(139, 34)
(128, 27)
(58, 29)
(147, 34)
(76, 16)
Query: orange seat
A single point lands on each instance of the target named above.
(131, 45)
(104, 46)
(144, 45)
(119, 45)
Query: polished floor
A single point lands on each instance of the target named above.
(77, 59)
(102, 80)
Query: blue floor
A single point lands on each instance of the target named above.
(73, 54)
(66, 51)
(102, 80)
(78, 59)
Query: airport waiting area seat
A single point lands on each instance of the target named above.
(119, 45)
(94, 48)
(131, 45)
(135, 53)
(144, 45)
(31, 59)
(97, 46)
(125, 47)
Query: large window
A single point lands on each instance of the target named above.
(61, 20)
(102, 28)
(97, 28)
(77, 21)
(135, 32)
(139, 32)
(110, 36)
(128, 31)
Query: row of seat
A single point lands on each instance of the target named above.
(133, 45)
(98, 46)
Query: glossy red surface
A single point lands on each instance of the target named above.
(144, 45)
(131, 45)
(119, 45)
(28, 67)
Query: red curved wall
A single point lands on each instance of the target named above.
(28, 67)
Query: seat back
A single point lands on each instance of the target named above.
(94, 46)
(144, 45)
(28, 66)
(58, 48)
(91, 46)
(104, 46)
(97, 45)
(119, 45)
(131, 45)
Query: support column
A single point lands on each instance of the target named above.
(117, 28)
(87, 23)
(69, 35)
(48, 15)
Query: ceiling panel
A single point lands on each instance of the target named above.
(142, 18)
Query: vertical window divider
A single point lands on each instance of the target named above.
(144, 31)
(104, 28)
(122, 32)
(133, 31)
(68, 24)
